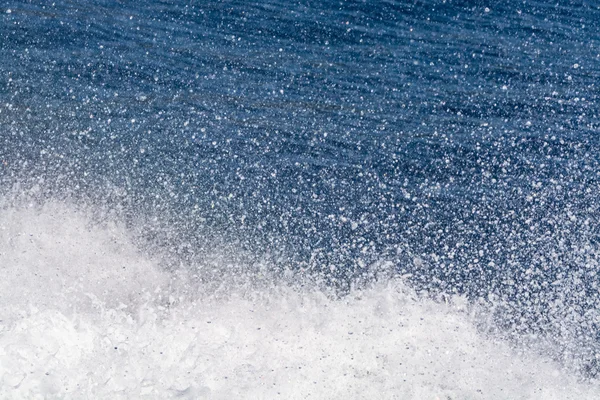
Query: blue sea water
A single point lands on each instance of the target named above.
(331, 147)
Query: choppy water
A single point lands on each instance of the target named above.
(325, 199)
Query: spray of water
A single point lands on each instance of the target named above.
(84, 313)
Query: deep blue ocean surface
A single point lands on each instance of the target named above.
(453, 144)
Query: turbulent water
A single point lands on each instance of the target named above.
(298, 199)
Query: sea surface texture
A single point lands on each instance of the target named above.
(299, 199)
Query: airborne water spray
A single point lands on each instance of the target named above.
(243, 199)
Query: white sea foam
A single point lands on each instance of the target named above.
(84, 315)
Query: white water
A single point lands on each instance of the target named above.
(84, 315)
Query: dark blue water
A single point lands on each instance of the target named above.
(448, 142)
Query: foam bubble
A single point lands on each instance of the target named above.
(85, 315)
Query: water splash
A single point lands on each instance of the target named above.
(84, 313)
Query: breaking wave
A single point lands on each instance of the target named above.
(85, 313)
